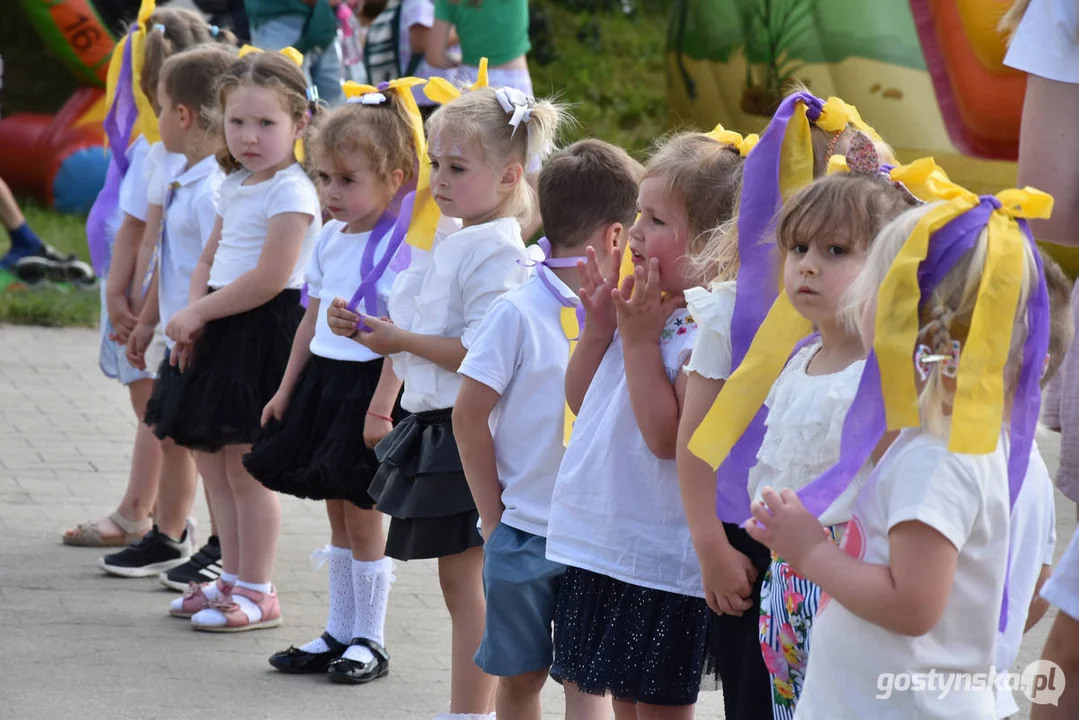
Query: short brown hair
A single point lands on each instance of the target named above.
(172, 30)
(383, 133)
(857, 204)
(190, 78)
(588, 185)
(1061, 320)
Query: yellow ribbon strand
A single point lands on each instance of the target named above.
(747, 388)
(290, 52)
(572, 330)
(146, 124)
(796, 154)
(837, 114)
(440, 90)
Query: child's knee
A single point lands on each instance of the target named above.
(524, 685)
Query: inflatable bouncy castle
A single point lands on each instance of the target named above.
(60, 159)
(927, 74)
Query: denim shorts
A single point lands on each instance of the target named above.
(521, 586)
(112, 357)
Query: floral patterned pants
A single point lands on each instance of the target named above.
(788, 604)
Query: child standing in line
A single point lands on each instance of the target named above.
(310, 445)
(185, 98)
(918, 582)
(631, 619)
(122, 228)
(510, 416)
(480, 145)
(232, 341)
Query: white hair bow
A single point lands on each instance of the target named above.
(371, 98)
(516, 102)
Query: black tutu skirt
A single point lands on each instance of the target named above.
(636, 643)
(316, 451)
(236, 368)
(420, 484)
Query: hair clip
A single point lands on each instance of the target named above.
(159, 27)
(214, 31)
(517, 104)
(312, 93)
(923, 358)
(369, 98)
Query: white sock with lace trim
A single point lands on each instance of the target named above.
(371, 592)
(342, 607)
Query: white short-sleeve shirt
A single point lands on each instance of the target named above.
(134, 185)
(617, 509)
(1032, 538)
(1046, 43)
(246, 211)
(448, 294)
(712, 309)
(189, 219)
(965, 499)
(521, 352)
(335, 270)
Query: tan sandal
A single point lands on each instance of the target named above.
(88, 534)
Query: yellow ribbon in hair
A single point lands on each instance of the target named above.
(442, 91)
(837, 114)
(978, 407)
(730, 137)
(425, 213)
(146, 121)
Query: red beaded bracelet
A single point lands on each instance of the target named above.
(380, 417)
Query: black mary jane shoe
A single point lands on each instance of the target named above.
(354, 672)
(298, 662)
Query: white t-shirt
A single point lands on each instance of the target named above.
(334, 270)
(189, 220)
(448, 294)
(617, 509)
(1046, 43)
(804, 427)
(521, 352)
(1032, 537)
(965, 498)
(161, 168)
(246, 211)
(133, 187)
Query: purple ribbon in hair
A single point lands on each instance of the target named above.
(119, 122)
(865, 423)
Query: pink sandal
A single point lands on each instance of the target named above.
(195, 599)
(235, 618)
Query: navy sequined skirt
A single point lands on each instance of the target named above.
(636, 643)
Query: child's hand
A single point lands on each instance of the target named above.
(642, 315)
(374, 429)
(120, 317)
(137, 343)
(380, 336)
(185, 325)
(180, 357)
(599, 321)
(341, 320)
(488, 525)
(275, 409)
(781, 522)
(728, 580)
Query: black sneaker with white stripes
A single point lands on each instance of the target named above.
(204, 566)
(155, 553)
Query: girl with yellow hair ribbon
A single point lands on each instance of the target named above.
(953, 309)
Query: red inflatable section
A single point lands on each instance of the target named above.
(33, 145)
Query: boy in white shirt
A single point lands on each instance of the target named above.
(510, 419)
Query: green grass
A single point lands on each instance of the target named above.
(52, 305)
(608, 67)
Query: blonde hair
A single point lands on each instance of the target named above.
(704, 175)
(381, 133)
(945, 315)
(169, 31)
(1009, 23)
(272, 71)
(478, 115)
(1061, 318)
